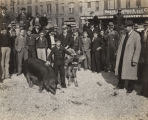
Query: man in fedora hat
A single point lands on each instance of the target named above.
(119, 20)
(22, 16)
(128, 57)
(65, 37)
(36, 29)
(112, 38)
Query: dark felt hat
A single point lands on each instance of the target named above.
(129, 23)
(146, 23)
(111, 24)
(3, 8)
(23, 8)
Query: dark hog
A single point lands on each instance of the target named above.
(36, 72)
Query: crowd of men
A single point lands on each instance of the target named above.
(110, 50)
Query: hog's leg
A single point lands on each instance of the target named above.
(69, 75)
(28, 77)
(41, 86)
(75, 77)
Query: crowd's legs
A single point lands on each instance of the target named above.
(5, 61)
(22, 55)
(41, 53)
(87, 61)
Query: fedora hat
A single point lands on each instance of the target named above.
(146, 23)
(129, 23)
(111, 24)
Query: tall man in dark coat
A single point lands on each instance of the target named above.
(97, 46)
(145, 66)
(128, 57)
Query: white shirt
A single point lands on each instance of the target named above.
(52, 40)
(130, 32)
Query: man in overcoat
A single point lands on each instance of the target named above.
(128, 57)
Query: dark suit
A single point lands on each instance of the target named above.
(34, 31)
(31, 41)
(96, 55)
(4, 20)
(91, 32)
(75, 43)
(59, 54)
(145, 66)
(65, 40)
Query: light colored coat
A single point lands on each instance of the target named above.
(131, 54)
(20, 43)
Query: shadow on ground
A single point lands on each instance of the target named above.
(110, 78)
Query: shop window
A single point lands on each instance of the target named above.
(62, 20)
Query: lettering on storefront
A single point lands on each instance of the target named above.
(131, 11)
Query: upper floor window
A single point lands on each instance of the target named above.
(138, 3)
(57, 8)
(89, 5)
(106, 4)
(97, 5)
(29, 1)
(62, 8)
(81, 7)
(71, 8)
(127, 3)
(18, 2)
(49, 8)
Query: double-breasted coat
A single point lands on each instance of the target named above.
(131, 54)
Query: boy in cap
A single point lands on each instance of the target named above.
(59, 54)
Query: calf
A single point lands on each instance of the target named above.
(36, 72)
(71, 70)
